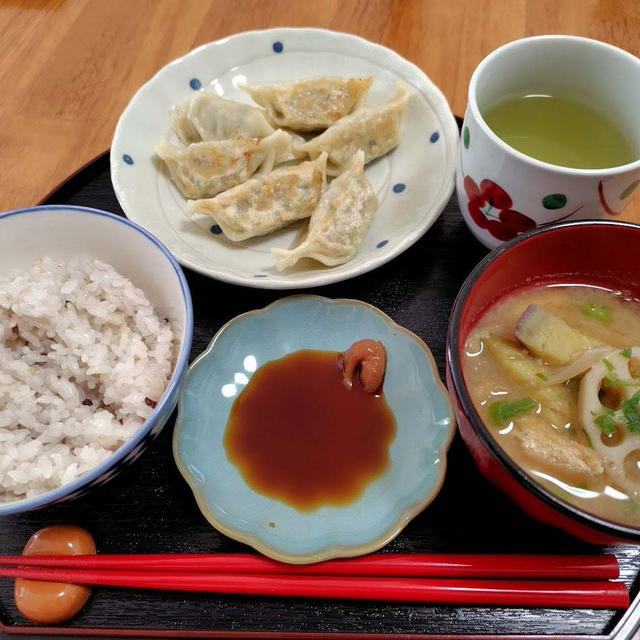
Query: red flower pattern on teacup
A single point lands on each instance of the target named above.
(490, 208)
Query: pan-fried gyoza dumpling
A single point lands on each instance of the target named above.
(375, 130)
(265, 204)
(340, 221)
(311, 104)
(206, 168)
(207, 116)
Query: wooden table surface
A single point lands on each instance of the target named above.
(69, 67)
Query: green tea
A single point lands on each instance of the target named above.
(559, 130)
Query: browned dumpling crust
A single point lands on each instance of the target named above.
(340, 221)
(375, 130)
(268, 203)
(206, 168)
(312, 104)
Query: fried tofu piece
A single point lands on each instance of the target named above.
(556, 452)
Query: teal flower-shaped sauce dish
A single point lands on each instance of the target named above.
(236, 506)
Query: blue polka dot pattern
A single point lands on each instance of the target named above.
(216, 230)
(278, 47)
(435, 136)
(381, 244)
(195, 84)
(127, 158)
(398, 188)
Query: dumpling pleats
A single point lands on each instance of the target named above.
(206, 116)
(340, 221)
(312, 104)
(206, 168)
(375, 130)
(268, 203)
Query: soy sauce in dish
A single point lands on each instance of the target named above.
(53, 602)
(298, 435)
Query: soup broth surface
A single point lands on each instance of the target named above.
(580, 436)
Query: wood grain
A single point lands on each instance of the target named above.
(69, 68)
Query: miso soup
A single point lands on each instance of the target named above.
(554, 372)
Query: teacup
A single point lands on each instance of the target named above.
(503, 192)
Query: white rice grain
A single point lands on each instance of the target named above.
(83, 360)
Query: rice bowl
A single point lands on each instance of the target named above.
(92, 356)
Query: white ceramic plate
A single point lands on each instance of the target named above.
(413, 182)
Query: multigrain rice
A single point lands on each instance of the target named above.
(84, 359)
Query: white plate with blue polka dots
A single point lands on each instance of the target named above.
(413, 182)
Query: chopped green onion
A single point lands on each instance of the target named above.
(631, 411)
(597, 313)
(542, 376)
(502, 412)
(632, 505)
(628, 416)
(581, 485)
(588, 438)
(606, 423)
(626, 352)
(614, 381)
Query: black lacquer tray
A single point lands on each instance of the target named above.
(149, 508)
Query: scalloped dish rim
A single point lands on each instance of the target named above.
(332, 551)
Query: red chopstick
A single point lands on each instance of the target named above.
(591, 594)
(583, 567)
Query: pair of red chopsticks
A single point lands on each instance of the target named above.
(523, 580)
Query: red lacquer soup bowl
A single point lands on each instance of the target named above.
(596, 252)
